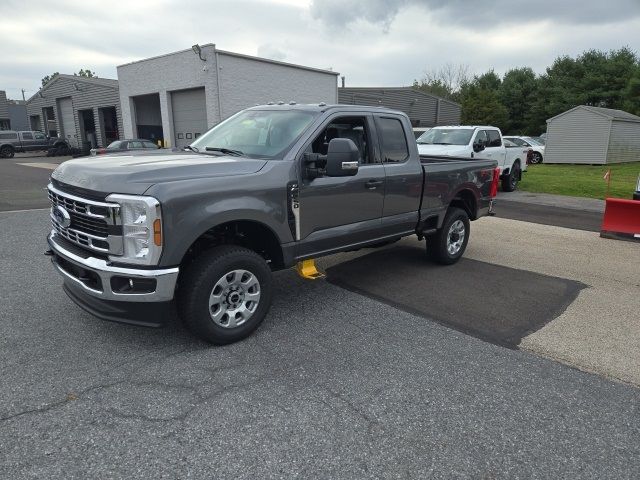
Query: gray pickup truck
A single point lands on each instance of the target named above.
(30, 141)
(271, 187)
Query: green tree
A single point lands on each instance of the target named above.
(85, 73)
(47, 78)
(518, 93)
(482, 106)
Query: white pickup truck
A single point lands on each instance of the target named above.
(476, 142)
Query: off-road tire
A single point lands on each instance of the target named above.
(510, 182)
(438, 244)
(199, 279)
(7, 151)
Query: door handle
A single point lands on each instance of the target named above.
(373, 184)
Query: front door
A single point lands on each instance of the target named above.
(339, 211)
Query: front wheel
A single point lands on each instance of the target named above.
(449, 243)
(6, 152)
(225, 294)
(510, 182)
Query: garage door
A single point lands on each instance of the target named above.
(189, 115)
(65, 107)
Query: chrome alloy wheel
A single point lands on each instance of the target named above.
(234, 298)
(455, 237)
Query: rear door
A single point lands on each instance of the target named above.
(494, 149)
(339, 211)
(403, 174)
(27, 141)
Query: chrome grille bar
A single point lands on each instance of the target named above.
(89, 222)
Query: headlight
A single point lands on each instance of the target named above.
(141, 219)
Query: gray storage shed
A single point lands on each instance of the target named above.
(424, 109)
(78, 109)
(178, 96)
(593, 135)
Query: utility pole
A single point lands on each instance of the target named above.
(23, 95)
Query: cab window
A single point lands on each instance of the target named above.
(494, 138)
(353, 128)
(393, 140)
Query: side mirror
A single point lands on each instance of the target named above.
(343, 158)
(478, 146)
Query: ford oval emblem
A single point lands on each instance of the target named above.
(61, 216)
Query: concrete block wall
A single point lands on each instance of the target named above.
(246, 82)
(164, 74)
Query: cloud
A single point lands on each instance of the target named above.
(474, 14)
(345, 35)
(272, 52)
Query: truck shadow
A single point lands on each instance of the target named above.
(498, 304)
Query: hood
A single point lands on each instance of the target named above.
(446, 150)
(134, 174)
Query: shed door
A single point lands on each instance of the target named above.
(189, 115)
(65, 108)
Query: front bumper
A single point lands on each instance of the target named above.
(130, 295)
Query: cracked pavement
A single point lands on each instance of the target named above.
(333, 385)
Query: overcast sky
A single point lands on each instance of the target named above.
(371, 42)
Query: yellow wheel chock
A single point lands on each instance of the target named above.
(307, 270)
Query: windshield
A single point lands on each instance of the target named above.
(115, 145)
(446, 136)
(256, 133)
(533, 141)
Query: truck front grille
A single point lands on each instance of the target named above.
(90, 224)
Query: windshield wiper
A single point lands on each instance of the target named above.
(226, 151)
(189, 147)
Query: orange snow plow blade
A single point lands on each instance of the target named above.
(621, 219)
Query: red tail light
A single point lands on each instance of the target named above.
(102, 150)
(494, 184)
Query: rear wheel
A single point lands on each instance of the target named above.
(62, 149)
(449, 243)
(225, 294)
(510, 182)
(7, 151)
(536, 158)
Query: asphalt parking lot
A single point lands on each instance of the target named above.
(349, 376)
(333, 385)
(23, 179)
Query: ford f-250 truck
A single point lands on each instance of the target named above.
(203, 230)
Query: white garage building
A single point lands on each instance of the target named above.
(178, 96)
(593, 135)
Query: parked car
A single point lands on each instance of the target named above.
(474, 142)
(12, 142)
(266, 189)
(418, 131)
(537, 147)
(125, 146)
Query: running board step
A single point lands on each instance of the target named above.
(307, 270)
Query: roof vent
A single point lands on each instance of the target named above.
(280, 102)
(322, 104)
(292, 103)
(270, 103)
